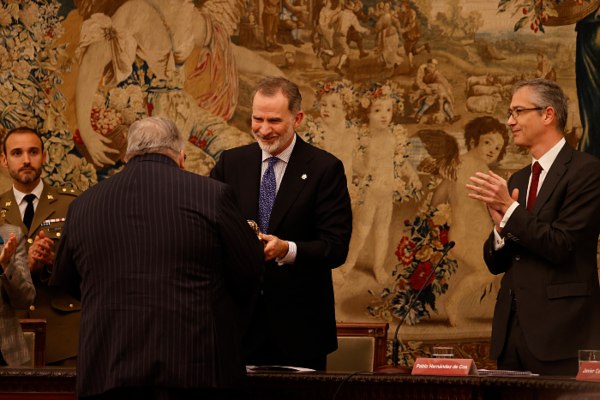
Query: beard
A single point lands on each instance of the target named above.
(279, 143)
(271, 147)
(26, 177)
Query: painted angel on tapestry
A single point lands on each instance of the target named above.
(486, 140)
(159, 57)
(388, 178)
(333, 130)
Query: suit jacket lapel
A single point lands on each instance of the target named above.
(521, 180)
(296, 175)
(250, 183)
(557, 170)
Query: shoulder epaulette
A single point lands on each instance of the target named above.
(70, 191)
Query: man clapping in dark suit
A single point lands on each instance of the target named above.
(167, 270)
(298, 195)
(547, 222)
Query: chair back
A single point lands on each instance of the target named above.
(362, 346)
(35, 336)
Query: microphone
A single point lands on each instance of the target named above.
(396, 341)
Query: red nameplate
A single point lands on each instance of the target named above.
(589, 371)
(444, 366)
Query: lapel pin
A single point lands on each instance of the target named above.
(50, 197)
(7, 204)
(304, 176)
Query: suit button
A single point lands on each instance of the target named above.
(30, 240)
(57, 234)
(71, 305)
(32, 308)
(517, 258)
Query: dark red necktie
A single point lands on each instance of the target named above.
(536, 170)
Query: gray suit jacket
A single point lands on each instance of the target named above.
(16, 291)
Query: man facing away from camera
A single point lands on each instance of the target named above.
(167, 271)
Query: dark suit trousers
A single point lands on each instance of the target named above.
(517, 357)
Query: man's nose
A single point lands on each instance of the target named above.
(264, 128)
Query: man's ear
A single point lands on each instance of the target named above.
(550, 115)
(298, 119)
(182, 158)
(3, 160)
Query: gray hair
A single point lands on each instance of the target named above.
(153, 135)
(271, 85)
(547, 93)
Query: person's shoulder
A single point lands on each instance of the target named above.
(6, 195)
(239, 156)
(66, 192)
(240, 150)
(586, 158)
(201, 182)
(316, 152)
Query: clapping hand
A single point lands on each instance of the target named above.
(8, 250)
(40, 252)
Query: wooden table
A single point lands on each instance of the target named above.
(59, 384)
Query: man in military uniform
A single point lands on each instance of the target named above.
(40, 210)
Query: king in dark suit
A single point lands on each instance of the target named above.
(547, 222)
(306, 234)
(167, 271)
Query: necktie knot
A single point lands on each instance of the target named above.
(29, 211)
(272, 161)
(536, 169)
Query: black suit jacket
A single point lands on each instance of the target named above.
(168, 269)
(312, 209)
(549, 260)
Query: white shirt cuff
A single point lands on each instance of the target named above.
(498, 240)
(290, 257)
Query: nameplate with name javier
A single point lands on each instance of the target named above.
(589, 371)
(444, 366)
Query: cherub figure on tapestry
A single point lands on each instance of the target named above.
(388, 178)
(333, 130)
(486, 140)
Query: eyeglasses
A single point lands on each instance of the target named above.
(515, 113)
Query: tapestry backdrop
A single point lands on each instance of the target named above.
(412, 95)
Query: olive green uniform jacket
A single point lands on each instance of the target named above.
(59, 310)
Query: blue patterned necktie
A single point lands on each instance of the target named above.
(268, 190)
